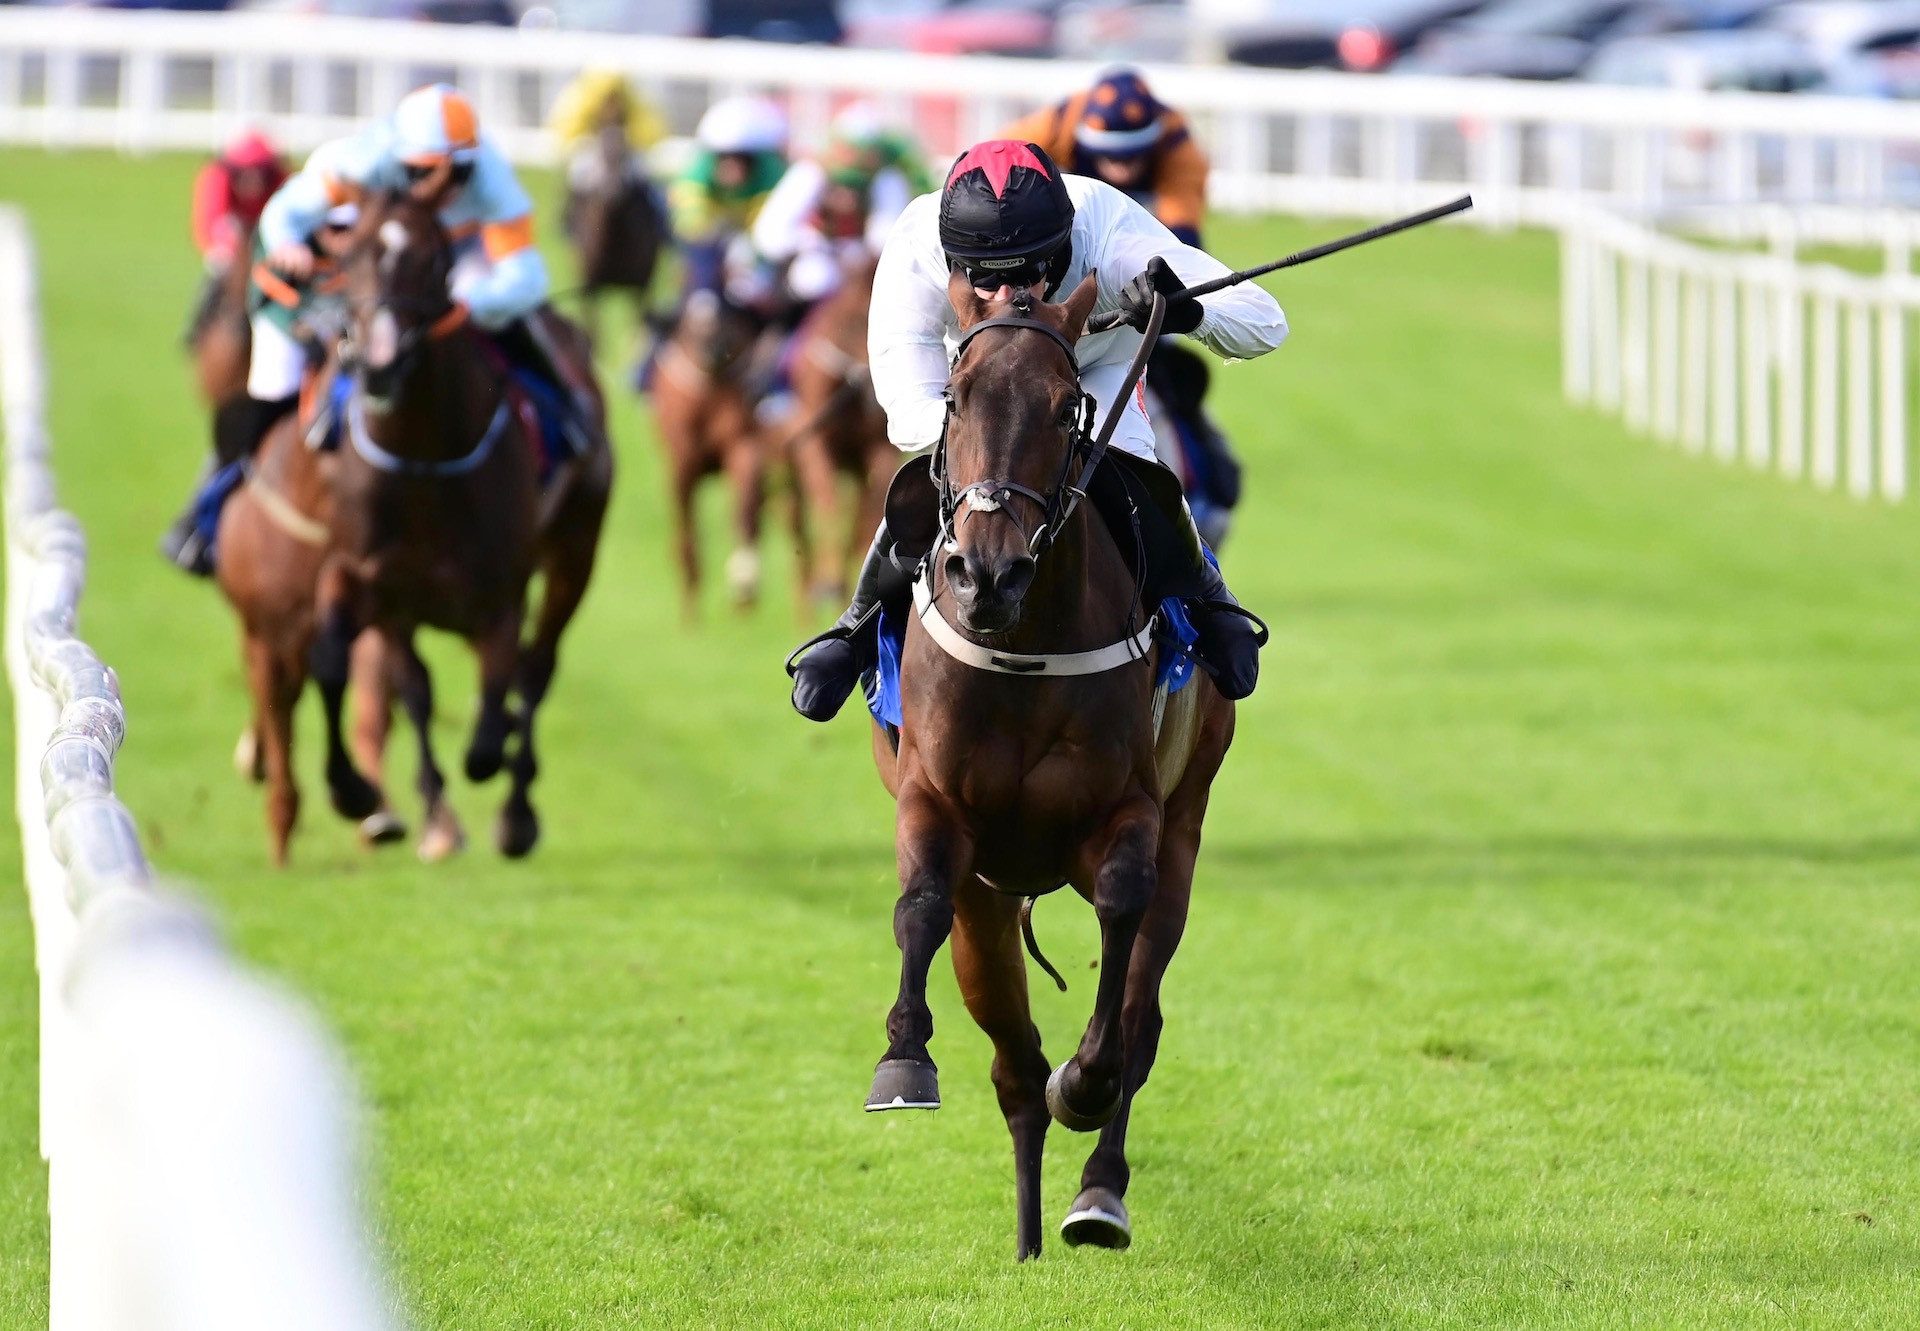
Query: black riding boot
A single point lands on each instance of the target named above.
(1230, 638)
(238, 428)
(526, 344)
(826, 668)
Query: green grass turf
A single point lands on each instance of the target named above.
(1552, 954)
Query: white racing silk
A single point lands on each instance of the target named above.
(912, 330)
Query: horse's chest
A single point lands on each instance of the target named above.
(1017, 790)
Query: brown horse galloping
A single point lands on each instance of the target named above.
(440, 520)
(702, 406)
(843, 433)
(1024, 763)
(220, 339)
(615, 226)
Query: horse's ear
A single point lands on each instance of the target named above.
(966, 301)
(1079, 305)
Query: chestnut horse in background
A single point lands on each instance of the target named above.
(440, 517)
(705, 412)
(842, 433)
(221, 339)
(1022, 767)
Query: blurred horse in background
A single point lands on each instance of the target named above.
(615, 224)
(219, 338)
(841, 436)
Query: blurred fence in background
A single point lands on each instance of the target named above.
(1797, 366)
(1314, 143)
(197, 1125)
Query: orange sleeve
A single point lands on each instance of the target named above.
(1051, 127)
(509, 237)
(1180, 190)
(209, 204)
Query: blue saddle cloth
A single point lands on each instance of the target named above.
(1174, 634)
(212, 497)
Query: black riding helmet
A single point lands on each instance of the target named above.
(1005, 216)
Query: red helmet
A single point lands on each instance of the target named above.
(1006, 216)
(251, 150)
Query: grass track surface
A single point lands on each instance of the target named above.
(1552, 952)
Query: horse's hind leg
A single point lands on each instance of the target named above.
(353, 795)
(1084, 1092)
(814, 482)
(1099, 1215)
(275, 679)
(440, 833)
(993, 981)
(936, 856)
(372, 703)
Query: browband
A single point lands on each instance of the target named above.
(1016, 321)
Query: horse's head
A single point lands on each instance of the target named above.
(1017, 415)
(717, 333)
(396, 288)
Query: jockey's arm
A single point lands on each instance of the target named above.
(905, 328)
(336, 173)
(1180, 191)
(780, 231)
(513, 283)
(1242, 321)
(888, 197)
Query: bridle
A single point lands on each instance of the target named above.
(1086, 445)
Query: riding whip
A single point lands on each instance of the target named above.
(1104, 322)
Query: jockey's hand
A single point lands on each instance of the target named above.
(1136, 300)
(293, 259)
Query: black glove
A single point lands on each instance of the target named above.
(1136, 300)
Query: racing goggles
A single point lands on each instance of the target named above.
(461, 173)
(1027, 270)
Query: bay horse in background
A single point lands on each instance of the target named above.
(841, 436)
(614, 223)
(441, 520)
(220, 338)
(703, 404)
(1017, 772)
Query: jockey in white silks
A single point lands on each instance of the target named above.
(1010, 219)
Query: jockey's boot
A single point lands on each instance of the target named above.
(826, 668)
(526, 343)
(238, 428)
(1230, 638)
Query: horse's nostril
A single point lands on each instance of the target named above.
(959, 573)
(1017, 578)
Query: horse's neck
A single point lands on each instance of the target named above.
(442, 407)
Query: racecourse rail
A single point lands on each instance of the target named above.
(196, 1124)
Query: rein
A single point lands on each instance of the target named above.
(1057, 509)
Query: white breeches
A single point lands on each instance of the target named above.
(278, 362)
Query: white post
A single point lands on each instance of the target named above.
(1793, 375)
(1696, 365)
(1893, 401)
(1826, 390)
(1635, 344)
(1859, 369)
(1756, 353)
(1666, 351)
(1576, 317)
(1726, 369)
(1606, 327)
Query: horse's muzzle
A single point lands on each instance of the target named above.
(988, 592)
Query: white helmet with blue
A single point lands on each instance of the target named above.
(743, 125)
(435, 124)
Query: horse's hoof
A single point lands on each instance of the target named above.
(484, 764)
(1099, 1218)
(1066, 1115)
(354, 797)
(442, 840)
(743, 576)
(904, 1083)
(516, 833)
(382, 827)
(248, 760)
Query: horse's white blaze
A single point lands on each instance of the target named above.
(383, 337)
(393, 234)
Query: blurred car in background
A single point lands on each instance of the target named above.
(1360, 35)
(952, 27)
(1748, 60)
(1838, 30)
(493, 12)
(1124, 31)
(1556, 39)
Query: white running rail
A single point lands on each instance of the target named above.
(1797, 367)
(1316, 143)
(196, 1124)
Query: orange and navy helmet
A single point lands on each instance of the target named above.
(1123, 118)
(435, 125)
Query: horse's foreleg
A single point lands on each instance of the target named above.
(747, 471)
(815, 481)
(275, 688)
(935, 855)
(372, 704)
(499, 652)
(686, 479)
(335, 613)
(993, 980)
(440, 833)
(1084, 1092)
